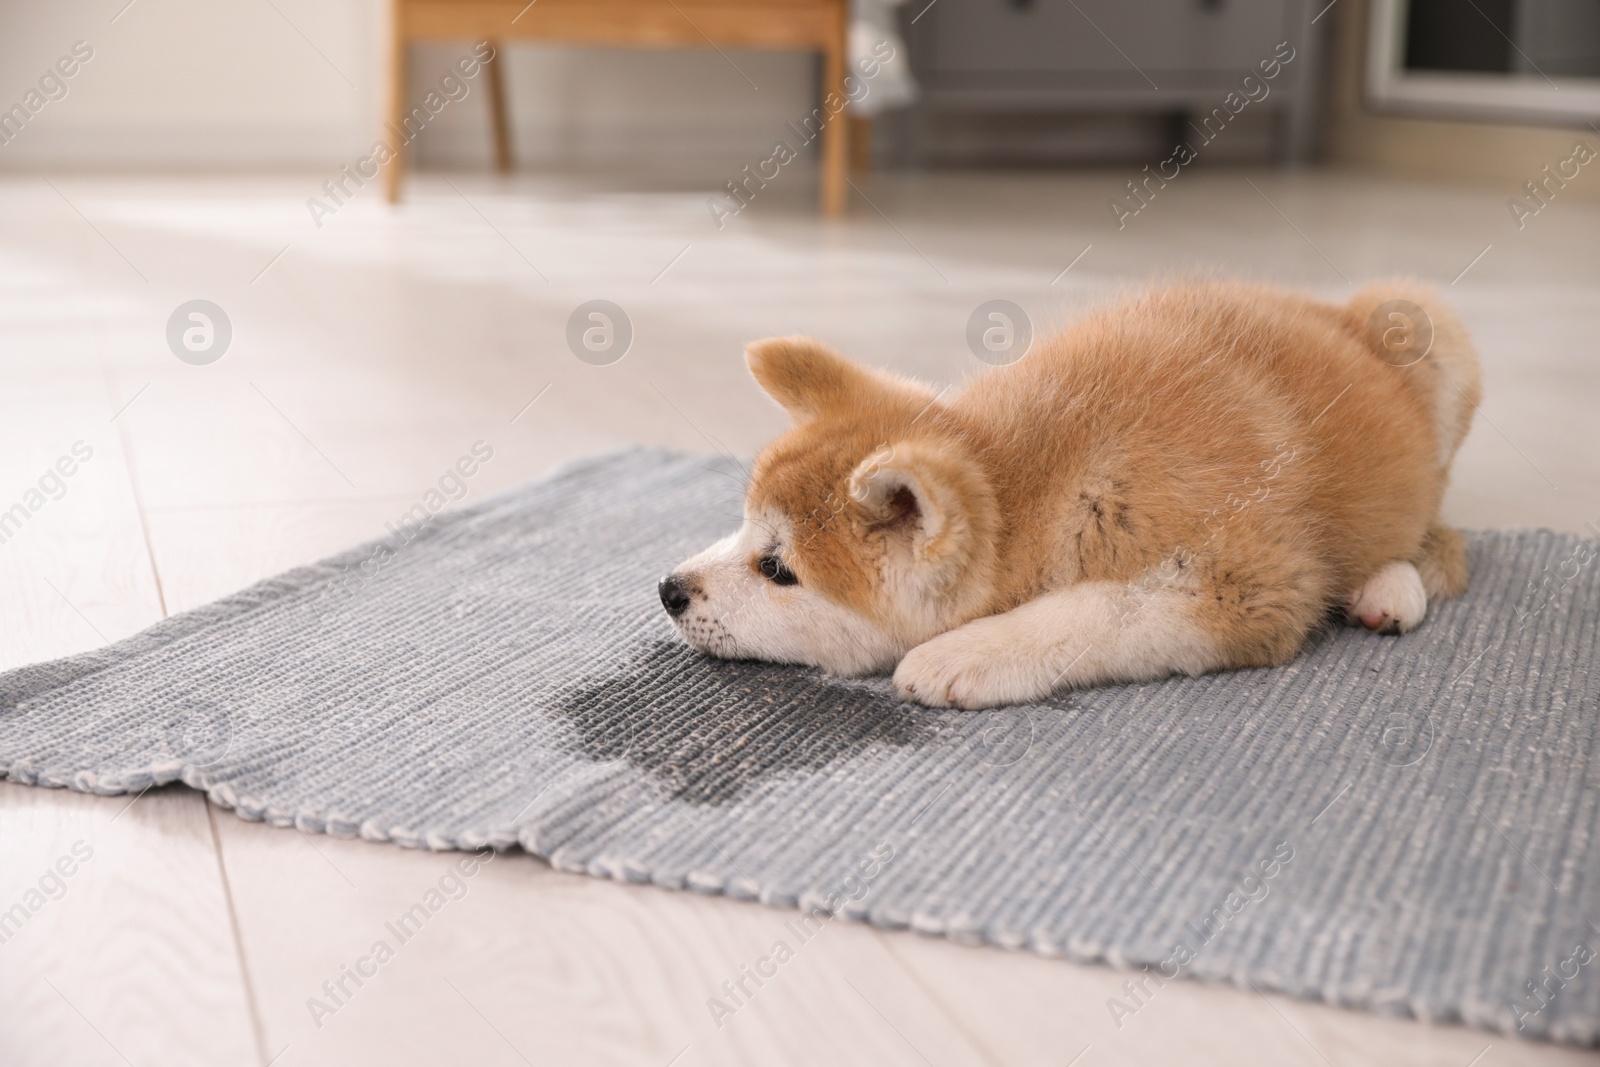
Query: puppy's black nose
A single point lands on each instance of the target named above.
(674, 595)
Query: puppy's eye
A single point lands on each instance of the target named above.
(773, 570)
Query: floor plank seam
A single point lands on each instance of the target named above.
(138, 497)
(256, 1025)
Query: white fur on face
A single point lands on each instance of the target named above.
(737, 613)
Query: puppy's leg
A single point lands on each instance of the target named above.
(1395, 599)
(1392, 601)
(1099, 632)
(1442, 563)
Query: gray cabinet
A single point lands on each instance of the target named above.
(1180, 58)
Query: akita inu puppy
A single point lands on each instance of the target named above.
(1185, 482)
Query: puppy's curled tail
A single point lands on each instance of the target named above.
(1408, 325)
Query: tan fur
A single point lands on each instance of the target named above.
(1224, 460)
(1442, 562)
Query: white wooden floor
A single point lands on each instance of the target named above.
(369, 354)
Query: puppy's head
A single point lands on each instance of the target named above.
(868, 527)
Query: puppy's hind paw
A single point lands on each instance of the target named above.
(1392, 601)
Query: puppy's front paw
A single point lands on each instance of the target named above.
(966, 669)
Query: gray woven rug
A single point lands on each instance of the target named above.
(1403, 824)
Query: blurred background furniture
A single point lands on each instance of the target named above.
(815, 25)
(1167, 58)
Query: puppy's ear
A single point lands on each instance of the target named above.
(807, 377)
(928, 497)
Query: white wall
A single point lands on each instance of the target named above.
(300, 83)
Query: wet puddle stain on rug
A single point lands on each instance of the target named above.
(709, 729)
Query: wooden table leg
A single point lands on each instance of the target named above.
(860, 145)
(498, 124)
(397, 99)
(835, 171)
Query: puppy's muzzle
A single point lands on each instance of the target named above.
(674, 595)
